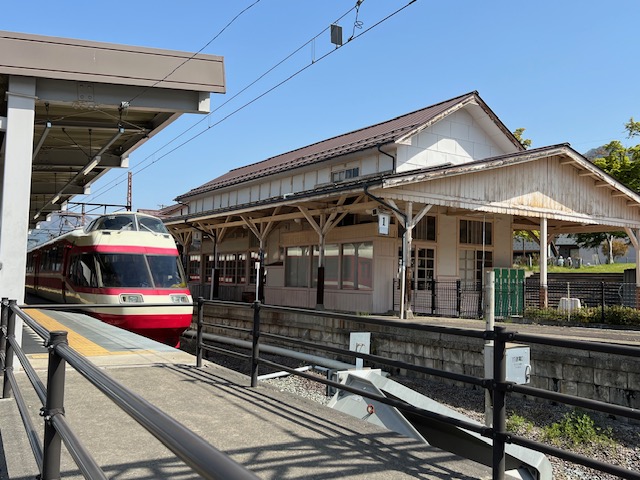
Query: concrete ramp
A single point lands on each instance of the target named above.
(521, 463)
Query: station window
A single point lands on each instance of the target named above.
(347, 174)
(422, 264)
(331, 266)
(474, 232)
(472, 264)
(194, 268)
(297, 266)
(208, 267)
(425, 229)
(233, 268)
(357, 265)
(348, 266)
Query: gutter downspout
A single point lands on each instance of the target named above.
(403, 264)
(388, 155)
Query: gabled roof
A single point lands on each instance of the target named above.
(564, 150)
(369, 137)
(163, 212)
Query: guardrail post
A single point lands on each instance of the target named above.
(199, 332)
(499, 403)
(255, 345)
(602, 302)
(4, 316)
(433, 296)
(54, 406)
(7, 392)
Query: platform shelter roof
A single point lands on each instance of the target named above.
(95, 103)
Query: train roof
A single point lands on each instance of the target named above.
(117, 221)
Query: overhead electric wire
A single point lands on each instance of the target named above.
(199, 51)
(119, 180)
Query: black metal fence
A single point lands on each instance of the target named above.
(455, 298)
(589, 294)
(497, 385)
(203, 458)
(448, 298)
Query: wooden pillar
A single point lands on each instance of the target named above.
(320, 285)
(407, 261)
(544, 299)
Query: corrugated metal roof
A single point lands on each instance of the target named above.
(357, 140)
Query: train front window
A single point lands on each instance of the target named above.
(123, 270)
(151, 224)
(116, 222)
(166, 271)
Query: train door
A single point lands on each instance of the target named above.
(66, 262)
(36, 270)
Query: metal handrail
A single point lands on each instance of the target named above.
(498, 385)
(193, 450)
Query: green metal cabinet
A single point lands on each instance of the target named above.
(509, 291)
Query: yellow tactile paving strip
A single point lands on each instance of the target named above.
(76, 341)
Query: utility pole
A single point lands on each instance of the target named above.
(129, 195)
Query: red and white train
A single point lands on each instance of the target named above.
(124, 259)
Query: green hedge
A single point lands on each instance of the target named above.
(613, 315)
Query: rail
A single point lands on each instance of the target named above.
(497, 385)
(193, 450)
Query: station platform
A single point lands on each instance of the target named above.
(274, 434)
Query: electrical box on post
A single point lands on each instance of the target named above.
(518, 362)
(336, 35)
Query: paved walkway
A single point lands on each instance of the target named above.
(274, 434)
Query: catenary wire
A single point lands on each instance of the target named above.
(194, 55)
(207, 116)
(118, 180)
(151, 160)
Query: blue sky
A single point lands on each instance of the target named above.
(565, 71)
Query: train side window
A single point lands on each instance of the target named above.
(82, 271)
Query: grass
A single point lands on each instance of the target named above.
(577, 429)
(604, 268)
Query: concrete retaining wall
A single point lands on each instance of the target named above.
(608, 378)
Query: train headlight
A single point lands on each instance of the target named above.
(130, 298)
(179, 299)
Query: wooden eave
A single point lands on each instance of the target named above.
(392, 187)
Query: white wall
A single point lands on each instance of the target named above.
(447, 248)
(456, 139)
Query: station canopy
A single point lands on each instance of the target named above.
(95, 103)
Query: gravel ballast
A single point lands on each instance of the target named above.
(624, 450)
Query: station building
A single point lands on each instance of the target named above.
(369, 220)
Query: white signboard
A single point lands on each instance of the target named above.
(360, 342)
(383, 223)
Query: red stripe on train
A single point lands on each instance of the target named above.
(127, 249)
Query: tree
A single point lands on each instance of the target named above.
(622, 163)
(604, 240)
(632, 128)
(619, 248)
(526, 142)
